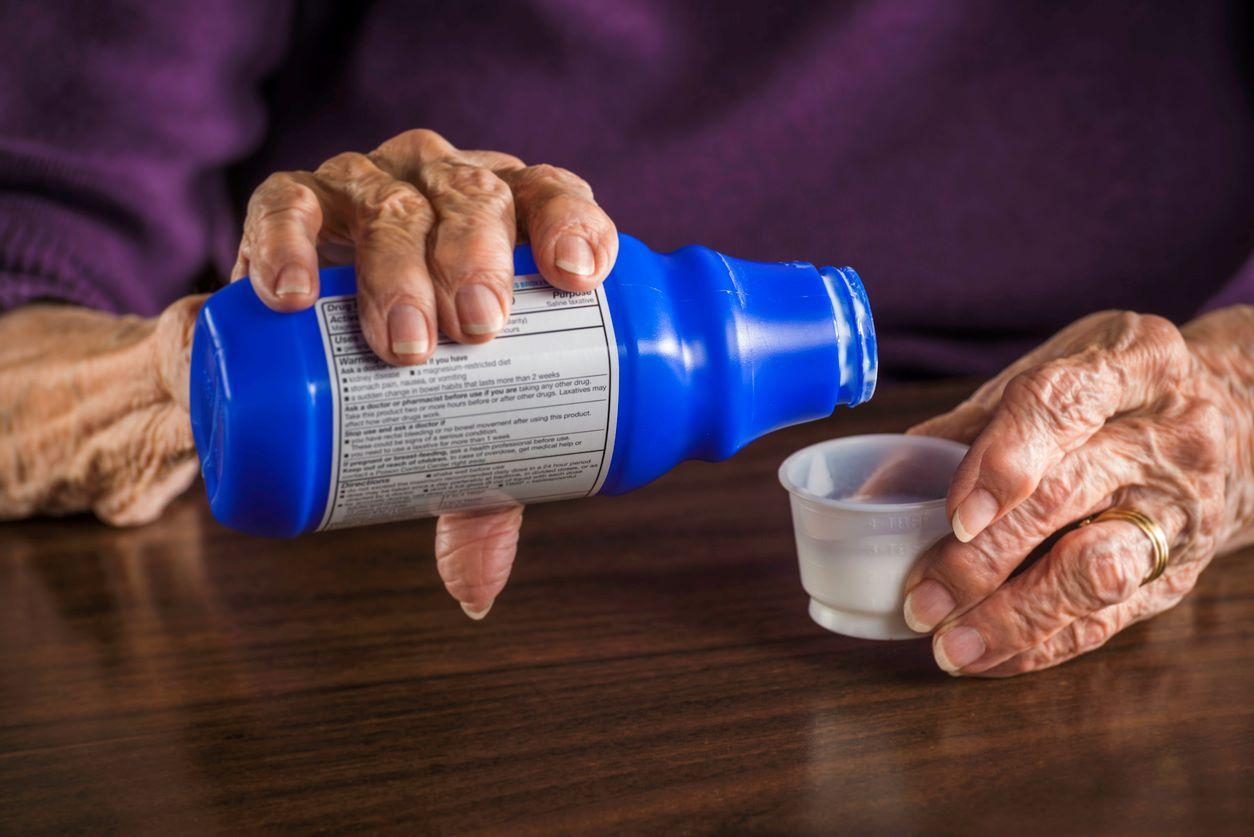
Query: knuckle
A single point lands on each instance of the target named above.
(1003, 472)
(421, 141)
(576, 214)
(1174, 586)
(1103, 577)
(1062, 392)
(1081, 636)
(285, 191)
(1126, 323)
(969, 570)
(1029, 390)
(395, 202)
(1129, 331)
(545, 178)
(173, 334)
(543, 173)
(1159, 332)
(1092, 632)
(1205, 433)
(180, 315)
(472, 190)
(1148, 343)
(500, 160)
(347, 166)
(1029, 622)
(1168, 345)
(474, 180)
(1051, 493)
(1104, 317)
(1160, 341)
(1019, 664)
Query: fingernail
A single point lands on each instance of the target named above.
(476, 615)
(927, 606)
(292, 280)
(574, 255)
(478, 310)
(957, 648)
(974, 515)
(407, 329)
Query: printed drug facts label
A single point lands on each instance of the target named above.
(528, 416)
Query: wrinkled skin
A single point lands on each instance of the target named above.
(1117, 409)
(93, 412)
(431, 229)
(93, 407)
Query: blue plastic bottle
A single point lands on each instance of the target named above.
(687, 355)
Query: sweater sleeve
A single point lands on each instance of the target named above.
(117, 121)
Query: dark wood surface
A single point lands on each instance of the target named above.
(650, 667)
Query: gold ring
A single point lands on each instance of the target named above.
(1162, 552)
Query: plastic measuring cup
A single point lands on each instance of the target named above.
(864, 508)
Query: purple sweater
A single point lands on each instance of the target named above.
(994, 169)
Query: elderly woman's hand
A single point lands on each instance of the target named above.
(431, 229)
(93, 411)
(1116, 410)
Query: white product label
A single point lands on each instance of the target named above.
(528, 416)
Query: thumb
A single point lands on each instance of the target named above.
(172, 346)
(474, 553)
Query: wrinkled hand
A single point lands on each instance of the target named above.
(93, 412)
(431, 230)
(1117, 409)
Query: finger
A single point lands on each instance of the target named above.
(172, 347)
(405, 155)
(1090, 569)
(474, 554)
(1052, 409)
(390, 221)
(573, 241)
(953, 576)
(154, 461)
(1093, 631)
(472, 252)
(125, 506)
(240, 269)
(1178, 450)
(279, 245)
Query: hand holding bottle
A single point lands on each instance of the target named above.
(431, 230)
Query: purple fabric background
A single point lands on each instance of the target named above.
(993, 169)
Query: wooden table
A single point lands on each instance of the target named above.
(650, 667)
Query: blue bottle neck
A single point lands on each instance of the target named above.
(788, 344)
